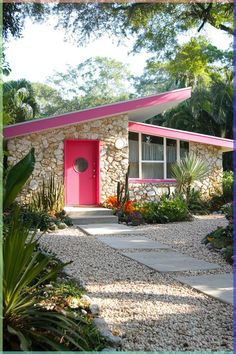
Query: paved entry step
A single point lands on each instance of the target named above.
(91, 215)
(170, 261)
(108, 229)
(219, 286)
(131, 242)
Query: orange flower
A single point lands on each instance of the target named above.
(129, 207)
(111, 202)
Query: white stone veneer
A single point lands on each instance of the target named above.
(49, 151)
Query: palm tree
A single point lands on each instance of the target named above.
(19, 102)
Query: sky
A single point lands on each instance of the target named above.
(43, 50)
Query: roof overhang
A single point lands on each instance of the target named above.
(139, 109)
(224, 144)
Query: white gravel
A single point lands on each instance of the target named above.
(150, 310)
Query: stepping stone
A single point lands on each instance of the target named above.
(108, 229)
(219, 286)
(132, 242)
(170, 261)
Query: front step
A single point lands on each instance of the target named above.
(87, 220)
(81, 211)
(90, 215)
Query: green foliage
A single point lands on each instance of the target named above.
(227, 209)
(49, 198)
(16, 178)
(50, 102)
(195, 203)
(222, 238)
(155, 26)
(150, 213)
(166, 210)
(187, 171)
(36, 219)
(228, 185)
(174, 209)
(27, 324)
(19, 101)
(94, 82)
(220, 198)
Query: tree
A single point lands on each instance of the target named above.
(155, 26)
(208, 111)
(195, 62)
(94, 82)
(19, 102)
(49, 101)
(14, 16)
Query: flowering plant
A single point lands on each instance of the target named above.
(112, 202)
(128, 207)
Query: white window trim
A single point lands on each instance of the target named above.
(164, 161)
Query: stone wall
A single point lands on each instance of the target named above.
(49, 152)
(149, 191)
(212, 155)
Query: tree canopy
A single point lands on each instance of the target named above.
(94, 82)
(155, 26)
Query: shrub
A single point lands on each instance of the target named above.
(35, 219)
(196, 205)
(166, 210)
(227, 209)
(219, 198)
(149, 210)
(174, 209)
(227, 185)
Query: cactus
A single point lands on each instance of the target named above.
(123, 190)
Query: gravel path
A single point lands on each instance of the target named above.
(150, 310)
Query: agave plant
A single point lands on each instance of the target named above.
(27, 326)
(187, 171)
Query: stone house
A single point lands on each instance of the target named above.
(90, 150)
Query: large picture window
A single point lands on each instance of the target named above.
(151, 157)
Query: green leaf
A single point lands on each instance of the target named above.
(16, 178)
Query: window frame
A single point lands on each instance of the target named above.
(164, 161)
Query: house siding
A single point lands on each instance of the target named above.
(212, 155)
(49, 152)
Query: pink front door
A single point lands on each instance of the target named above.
(81, 172)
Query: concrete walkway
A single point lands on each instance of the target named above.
(108, 229)
(164, 260)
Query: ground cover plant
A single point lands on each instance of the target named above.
(221, 197)
(167, 209)
(222, 238)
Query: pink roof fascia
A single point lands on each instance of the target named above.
(38, 125)
(227, 144)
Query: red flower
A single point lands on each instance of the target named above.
(129, 207)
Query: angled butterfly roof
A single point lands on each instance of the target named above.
(139, 110)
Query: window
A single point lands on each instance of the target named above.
(171, 155)
(151, 157)
(133, 155)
